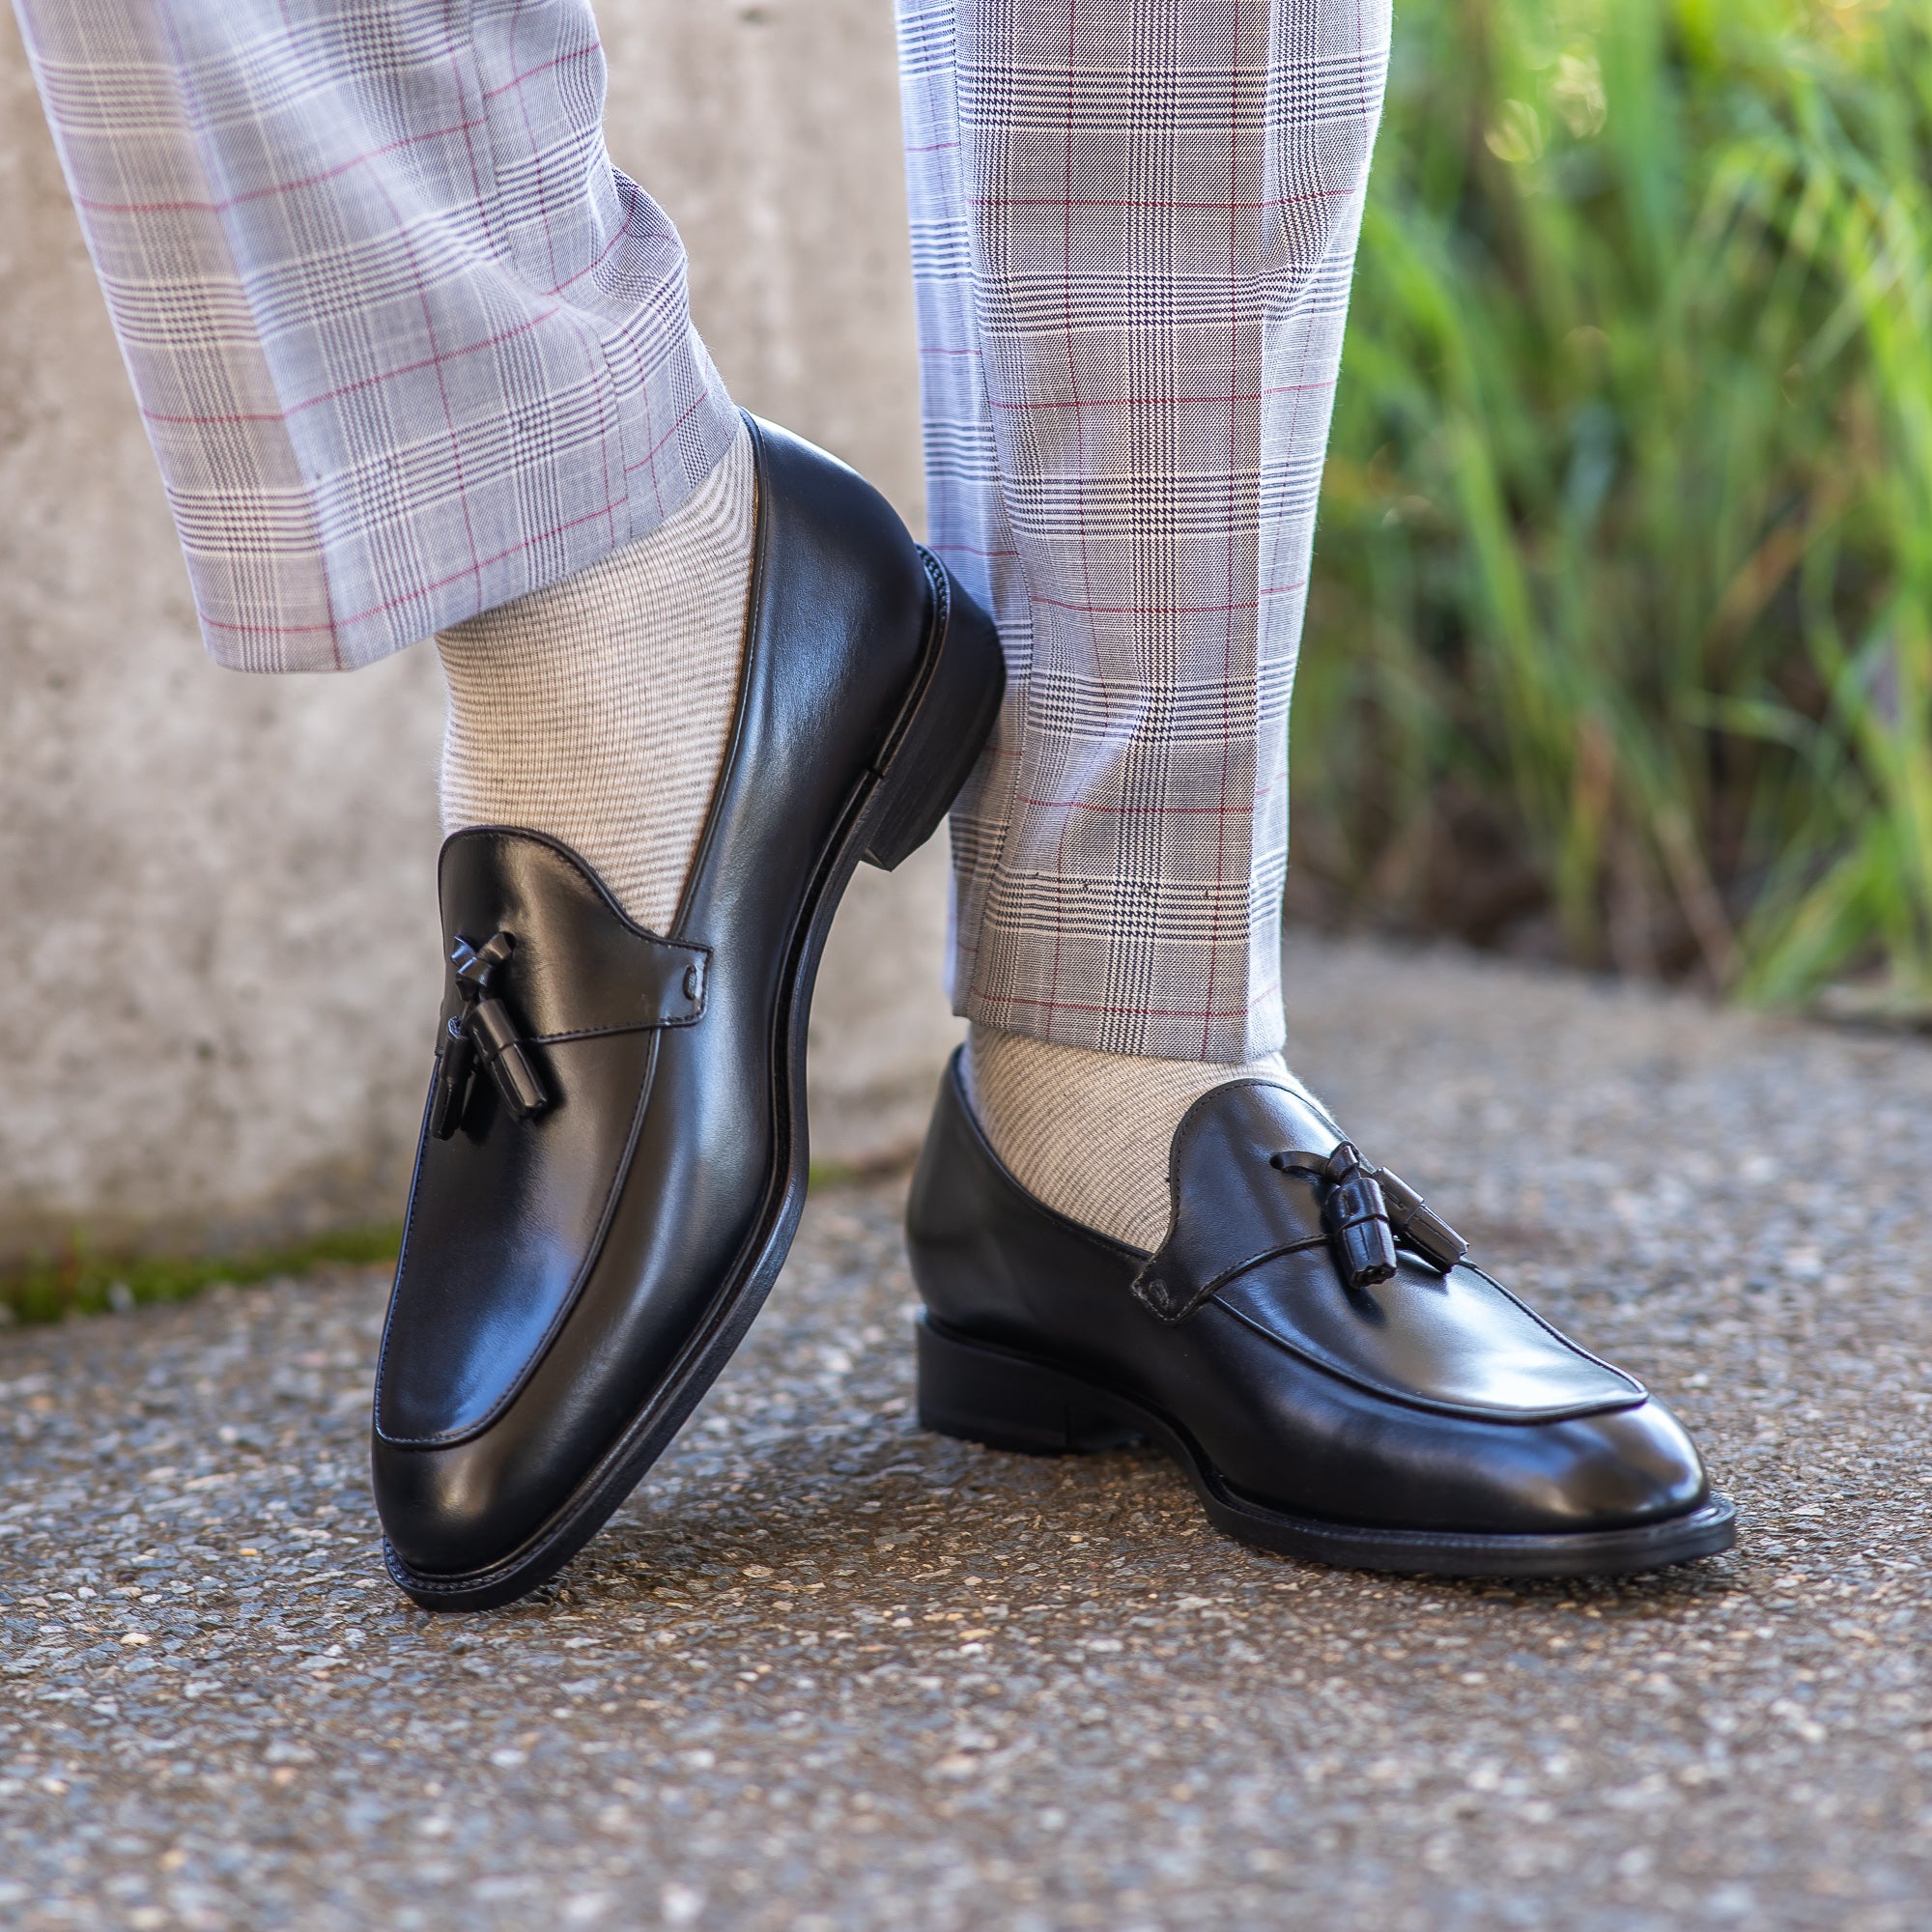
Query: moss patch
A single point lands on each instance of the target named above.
(827, 1174)
(75, 1281)
(49, 1287)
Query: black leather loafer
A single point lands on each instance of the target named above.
(1309, 1345)
(614, 1157)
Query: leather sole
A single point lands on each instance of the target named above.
(1010, 1400)
(895, 806)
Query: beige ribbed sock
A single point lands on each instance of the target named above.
(1089, 1133)
(597, 709)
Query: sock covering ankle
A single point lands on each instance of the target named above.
(1089, 1133)
(597, 709)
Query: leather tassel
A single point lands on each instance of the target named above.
(488, 1024)
(1417, 1226)
(1357, 1219)
(484, 1030)
(455, 1059)
(1366, 1211)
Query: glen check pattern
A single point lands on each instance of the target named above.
(406, 343)
(409, 348)
(1133, 223)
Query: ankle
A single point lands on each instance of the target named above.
(598, 709)
(1087, 1133)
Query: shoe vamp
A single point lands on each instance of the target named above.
(503, 1224)
(1456, 1342)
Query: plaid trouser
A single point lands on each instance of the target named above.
(409, 347)
(1133, 226)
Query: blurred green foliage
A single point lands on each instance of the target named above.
(1622, 645)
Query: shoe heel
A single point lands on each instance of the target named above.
(986, 1395)
(950, 723)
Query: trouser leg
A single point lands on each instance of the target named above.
(406, 343)
(1133, 232)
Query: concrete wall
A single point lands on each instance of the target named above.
(216, 912)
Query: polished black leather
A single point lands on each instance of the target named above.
(1250, 1237)
(571, 1281)
(1431, 1402)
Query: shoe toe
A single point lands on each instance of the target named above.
(1615, 1471)
(456, 1511)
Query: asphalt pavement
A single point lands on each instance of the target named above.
(826, 1674)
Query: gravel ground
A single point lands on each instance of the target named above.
(826, 1672)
